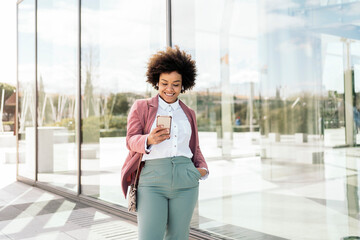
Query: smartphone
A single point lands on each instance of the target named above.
(165, 121)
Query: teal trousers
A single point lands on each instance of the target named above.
(167, 194)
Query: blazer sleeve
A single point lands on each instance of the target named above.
(199, 159)
(135, 137)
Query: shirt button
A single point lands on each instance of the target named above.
(175, 135)
(174, 145)
(175, 126)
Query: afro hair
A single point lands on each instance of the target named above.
(172, 59)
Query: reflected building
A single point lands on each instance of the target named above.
(277, 100)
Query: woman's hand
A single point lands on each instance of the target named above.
(202, 171)
(157, 135)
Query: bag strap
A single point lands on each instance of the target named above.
(138, 168)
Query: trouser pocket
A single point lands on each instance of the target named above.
(155, 175)
(185, 176)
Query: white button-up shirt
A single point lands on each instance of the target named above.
(180, 133)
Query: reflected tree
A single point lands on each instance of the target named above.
(118, 104)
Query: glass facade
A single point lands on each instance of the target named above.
(277, 100)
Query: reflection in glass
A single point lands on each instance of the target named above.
(26, 89)
(57, 87)
(117, 39)
(272, 83)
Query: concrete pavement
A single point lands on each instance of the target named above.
(28, 212)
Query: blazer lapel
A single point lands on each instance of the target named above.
(153, 106)
(192, 143)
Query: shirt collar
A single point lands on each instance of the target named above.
(164, 104)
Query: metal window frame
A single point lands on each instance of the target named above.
(78, 114)
(168, 23)
(36, 95)
(17, 89)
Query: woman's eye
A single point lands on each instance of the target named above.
(176, 85)
(164, 84)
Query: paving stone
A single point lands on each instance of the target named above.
(10, 212)
(3, 237)
(51, 235)
(21, 227)
(2, 203)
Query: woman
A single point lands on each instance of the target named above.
(169, 181)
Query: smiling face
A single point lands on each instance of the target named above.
(170, 86)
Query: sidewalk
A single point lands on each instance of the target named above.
(28, 213)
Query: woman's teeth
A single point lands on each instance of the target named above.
(169, 94)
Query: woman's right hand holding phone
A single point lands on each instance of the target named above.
(158, 135)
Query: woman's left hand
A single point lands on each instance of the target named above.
(202, 171)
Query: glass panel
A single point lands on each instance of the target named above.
(26, 81)
(57, 88)
(118, 37)
(333, 78)
(274, 80)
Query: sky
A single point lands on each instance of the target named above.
(8, 42)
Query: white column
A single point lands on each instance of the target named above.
(348, 92)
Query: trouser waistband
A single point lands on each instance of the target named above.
(168, 160)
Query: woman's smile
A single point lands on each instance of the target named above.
(170, 86)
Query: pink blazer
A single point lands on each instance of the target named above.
(140, 119)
